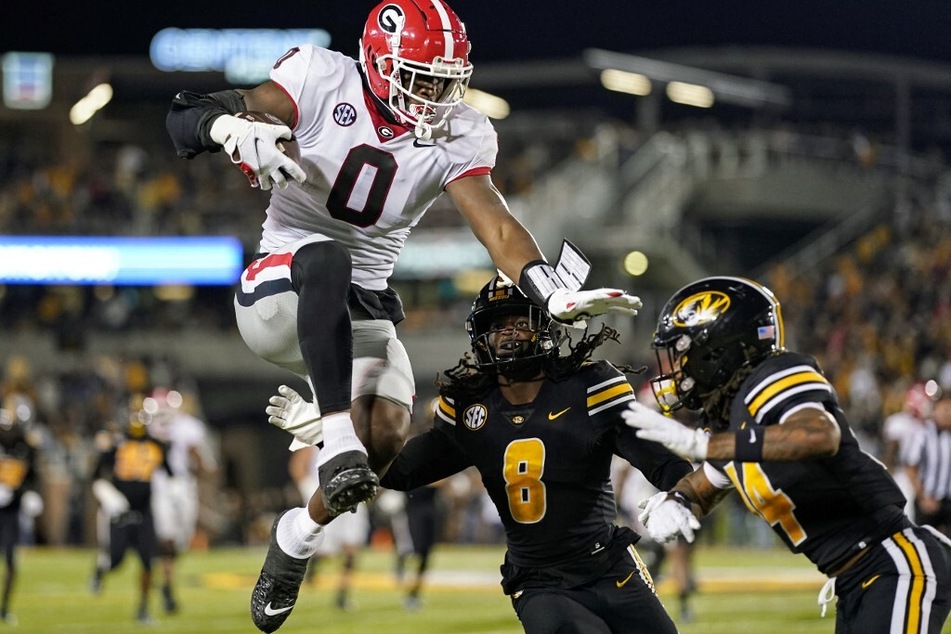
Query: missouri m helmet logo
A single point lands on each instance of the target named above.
(702, 308)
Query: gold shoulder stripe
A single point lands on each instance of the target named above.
(783, 384)
(611, 392)
(448, 409)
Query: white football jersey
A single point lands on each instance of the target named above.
(904, 429)
(183, 433)
(369, 181)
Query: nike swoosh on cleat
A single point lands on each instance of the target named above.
(554, 415)
(621, 584)
(268, 610)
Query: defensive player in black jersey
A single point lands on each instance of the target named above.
(18, 485)
(774, 431)
(541, 428)
(123, 486)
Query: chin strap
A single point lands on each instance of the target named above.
(423, 131)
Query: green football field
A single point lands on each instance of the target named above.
(740, 590)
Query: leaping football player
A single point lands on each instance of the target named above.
(380, 140)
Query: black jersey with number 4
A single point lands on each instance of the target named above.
(130, 465)
(545, 464)
(825, 508)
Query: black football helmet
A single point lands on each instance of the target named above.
(139, 417)
(707, 331)
(498, 299)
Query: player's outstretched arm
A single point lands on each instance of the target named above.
(651, 425)
(516, 254)
(810, 432)
(570, 306)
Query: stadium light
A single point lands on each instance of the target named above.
(636, 263)
(733, 89)
(690, 94)
(623, 81)
(83, 110)
(487, 103)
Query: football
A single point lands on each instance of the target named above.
(290, 148)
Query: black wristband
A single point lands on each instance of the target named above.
(679, 497)
(191, 115)
(749, 445)
(538, 281)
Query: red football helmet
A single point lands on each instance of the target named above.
(406, 41)
(920, 398)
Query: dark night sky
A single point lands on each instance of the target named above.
(510, 30)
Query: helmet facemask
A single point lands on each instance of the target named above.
(408, 80)
(513, 342)
(697, 371)
(672, 388)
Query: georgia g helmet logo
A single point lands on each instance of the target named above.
(700, 309)
(391, 19)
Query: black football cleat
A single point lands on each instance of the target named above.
(168, 600)
(345, 481)
(275, 593)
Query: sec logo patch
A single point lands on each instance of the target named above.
(475, 416)
(345, 114)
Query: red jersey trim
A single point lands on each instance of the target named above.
(475, 171)
(379, 121)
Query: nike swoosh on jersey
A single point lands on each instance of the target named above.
(554, 415)
(272, 612)
(621, 584)
(416, 143)
(869, 581)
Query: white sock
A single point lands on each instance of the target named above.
(338, 437)
(298, 535)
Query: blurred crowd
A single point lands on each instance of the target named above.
(876, 313)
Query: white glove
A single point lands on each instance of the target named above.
(110, 498)
(665, 518)
(570, 306)
(252, 146)
(31, 504)
(651, 425)
(293, 414)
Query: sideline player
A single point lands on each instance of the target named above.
(175, 497)
(781, 440)
(380, 140)
(18, 484)
(414, 531)
(122, 484)
(541, 428)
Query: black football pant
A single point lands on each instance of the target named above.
(902, 586)
(620, 601)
